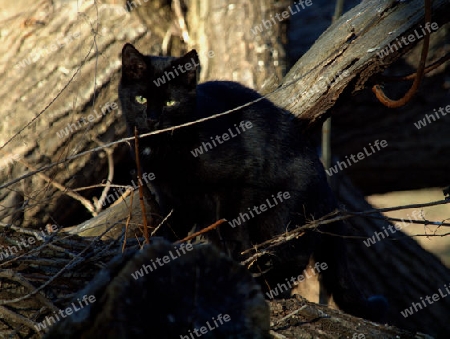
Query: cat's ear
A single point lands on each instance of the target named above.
(189, 66)
(133, 63)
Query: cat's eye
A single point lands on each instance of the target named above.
(170, 103)
(140, 99)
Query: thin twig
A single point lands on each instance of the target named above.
(70, 265)
(99, 148)
(327, 219)
(100, 201)
(161, 223)
(85, 202)
(401, 207)
(202, 231)
(130, 212)
(17, 318)
(290, 315)
(84, 188)
(17, 277)
(411, 221)
(141, 190)
(412, 76)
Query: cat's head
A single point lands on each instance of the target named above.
(157, 92)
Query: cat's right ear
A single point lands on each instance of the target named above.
(133, 63)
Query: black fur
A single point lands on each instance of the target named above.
(270, 157)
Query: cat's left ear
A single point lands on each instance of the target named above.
(189, 66)
(133, 63)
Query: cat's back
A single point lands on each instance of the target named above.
(272, 151)
(226, 90)
(214, 97)
(227, 95)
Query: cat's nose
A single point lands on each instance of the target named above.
(152, 123)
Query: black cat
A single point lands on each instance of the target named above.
(251, 167)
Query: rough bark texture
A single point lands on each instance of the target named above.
(30, 139)
(245, 51)
(298, 318)
(349, 45)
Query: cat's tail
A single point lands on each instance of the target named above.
(338, 281)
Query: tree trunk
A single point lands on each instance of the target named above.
(243, 53)
(48, 116)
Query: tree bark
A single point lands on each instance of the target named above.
(343, 59)
(72, 75)
(245, 50)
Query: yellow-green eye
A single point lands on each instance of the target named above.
(140, 99)
(170, 103)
